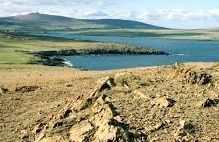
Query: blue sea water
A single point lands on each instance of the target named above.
(180, 50)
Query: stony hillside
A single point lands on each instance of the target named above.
(178, 103)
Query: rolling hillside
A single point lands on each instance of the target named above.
(43, 22)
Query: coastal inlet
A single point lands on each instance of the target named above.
(55, 58)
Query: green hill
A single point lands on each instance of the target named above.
(43, 22)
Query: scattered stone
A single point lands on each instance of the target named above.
(141, 95)
(159, 126)
(25, 89)
(57, 124)
(187, 126)
(97, 122)
(105, 84)
(40, 137)
(67, 113)
(164, 102)
(39, 113)
(129, 81)
(81, 131)
(3, 91)
(118, 118)
(24, 134)
(193, 77)
(38, 128)
(185, 131)
(69, 85)
(210, 103)
(54, 139)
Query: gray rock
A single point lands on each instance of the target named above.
(210, 103)
(3, 91)
(24, 134)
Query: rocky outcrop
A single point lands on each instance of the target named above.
(201, 78)
(210, 103)
(185, 131)
(191, 76)
(164, 102)
(24, 89)
(3, 90)
(49, 61)
(128, 50)
(96, 120)
(145, 106)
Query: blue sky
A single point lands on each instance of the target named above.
(167, 13)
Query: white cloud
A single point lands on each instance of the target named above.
(106, 9)
(177, 15)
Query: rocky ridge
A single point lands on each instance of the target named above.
(169, 104)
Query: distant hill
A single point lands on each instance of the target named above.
(42, 22)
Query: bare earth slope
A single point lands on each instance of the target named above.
(179, 103)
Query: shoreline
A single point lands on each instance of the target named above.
(147, 67)
(55, 58)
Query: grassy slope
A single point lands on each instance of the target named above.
(8, 47)
(166, 33)
(43, 22)
(11, 44)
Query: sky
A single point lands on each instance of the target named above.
(183, 14)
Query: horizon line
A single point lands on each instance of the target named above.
(165, 28)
